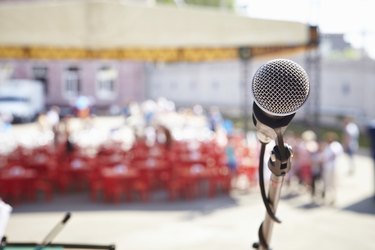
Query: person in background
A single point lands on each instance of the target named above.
(215, 118)
(316, 170)
(350, 141)
(53, 118)
(164, 136)
(42, 122)
(231, 157)
(304, 150)
(68, 148)
(331, 150)
(83, 107)
(5, 121)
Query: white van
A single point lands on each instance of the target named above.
(23, 99)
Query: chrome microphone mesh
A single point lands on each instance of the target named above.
(280, 87)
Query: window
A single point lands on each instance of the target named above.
(105, 83)
(72, 85)
(40, 73)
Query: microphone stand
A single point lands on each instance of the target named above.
(279, 164)
(52, 234)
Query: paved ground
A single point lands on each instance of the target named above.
(227, 222)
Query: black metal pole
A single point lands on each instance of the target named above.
(244, 54)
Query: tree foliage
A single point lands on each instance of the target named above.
(222, 4)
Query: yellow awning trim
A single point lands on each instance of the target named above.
(157, 55)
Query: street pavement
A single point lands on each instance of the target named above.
(224, 222)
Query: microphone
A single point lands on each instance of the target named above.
(280, 87)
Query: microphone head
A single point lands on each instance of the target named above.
(280, 87)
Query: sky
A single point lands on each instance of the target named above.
(354, 18)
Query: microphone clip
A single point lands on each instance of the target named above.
(279, 163)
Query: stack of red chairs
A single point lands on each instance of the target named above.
(117, 182)
(199, 167)
(16, 183)
(184, 169)
(116, 177)
(153, 163)
(248, 163)
(43, 162)
(27, 174)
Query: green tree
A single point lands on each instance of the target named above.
(223, 4)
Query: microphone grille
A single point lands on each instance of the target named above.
(280, 87)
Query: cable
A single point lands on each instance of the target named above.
(261, 185)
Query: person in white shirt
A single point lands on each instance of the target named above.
(332, 149)
(350, 141)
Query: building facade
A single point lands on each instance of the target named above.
(346, 86)
(105, 82)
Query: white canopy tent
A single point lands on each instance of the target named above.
(107, 25)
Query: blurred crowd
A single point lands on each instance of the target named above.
(315, 159)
